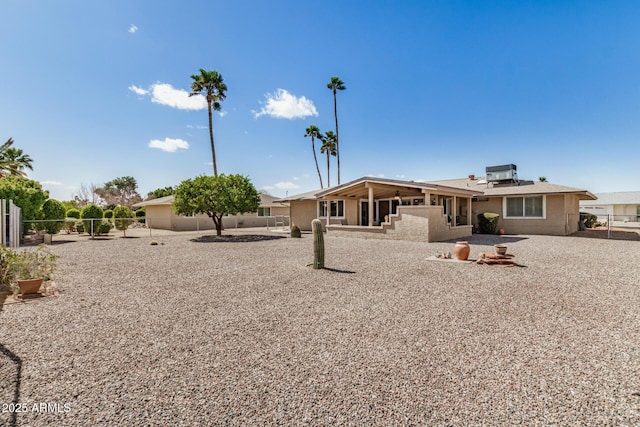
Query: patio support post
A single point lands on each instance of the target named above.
(371, 207)
(454, 210)
(328, 202)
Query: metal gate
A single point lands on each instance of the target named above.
(10, 224)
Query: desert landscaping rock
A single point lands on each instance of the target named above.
(203, 331)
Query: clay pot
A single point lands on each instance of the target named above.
(501, 249)
(29, 286)
(461, 250)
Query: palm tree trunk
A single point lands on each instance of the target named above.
(335, 113)
(313, 147)
(328, 172)
(213, 147)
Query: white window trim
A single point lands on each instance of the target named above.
(340, 200)
(544, 207)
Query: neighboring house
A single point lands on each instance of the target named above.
(159, 214)
(621, 206)
(439, 210)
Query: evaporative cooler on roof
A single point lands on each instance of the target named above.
(502, 173)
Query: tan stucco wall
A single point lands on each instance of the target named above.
(554, 224)
(158, 217)
(302, 213)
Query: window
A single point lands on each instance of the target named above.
(525, 207)
(264, 211)
(337, 209)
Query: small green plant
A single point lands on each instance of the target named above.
(103, 227)
(79, 226)
(153, 243)
(73, 213)
(589, 220)
(140, 214)
(295, 231)
(488, 222)
(108, 214)
(33, 264)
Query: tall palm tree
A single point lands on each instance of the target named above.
(329, 147)
(13, 161)
(314, 132)
(211, 84)
(335, 85)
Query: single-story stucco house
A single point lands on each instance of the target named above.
(622, 206)
(159, 214)
(439, 210)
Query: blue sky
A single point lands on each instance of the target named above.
(435, 90)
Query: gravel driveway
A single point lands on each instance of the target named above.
(198, 333)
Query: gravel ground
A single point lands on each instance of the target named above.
(197, 333)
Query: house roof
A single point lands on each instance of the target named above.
(522, 188)
(265, 201)
(615, 198)
(460, 187)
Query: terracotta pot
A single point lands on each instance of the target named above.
(461, 250)
(501, 249)
(29, 286)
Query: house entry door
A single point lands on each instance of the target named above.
(364, 213)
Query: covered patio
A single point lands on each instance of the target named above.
(407, 210)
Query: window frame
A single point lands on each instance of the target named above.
(324, 210)
(524, 207)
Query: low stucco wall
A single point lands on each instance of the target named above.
(413, 223)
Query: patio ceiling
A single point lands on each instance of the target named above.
(381, 190)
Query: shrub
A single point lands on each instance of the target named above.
(79, 226)
(53, 210)
(91, 212)
(108, 214)
(488, 222)
(73, 213)
(295, 231)
(123, 218)
(104, 227)
(140, 214)
(588, 219)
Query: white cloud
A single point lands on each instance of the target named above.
(169, 144)
(223, 113)
(285, 186)
(54, 183)
(165, 94)
(133, 29)
(268, 187)
(138, 90)
(283, 105)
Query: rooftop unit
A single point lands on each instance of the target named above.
(502, 173)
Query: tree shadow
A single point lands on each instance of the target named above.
(242, 238)
(337, 270)
(14, 359)
(489, 239)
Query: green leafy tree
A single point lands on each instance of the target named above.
(13, 161)
(123, 218)
(120, 191)
(91, 214)
(329, 147)
(69, 204)
(160, 192)
(54, 211)
(212, 85)
(216, 196)
(314, 132)
(335, 85)
(25, 193)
